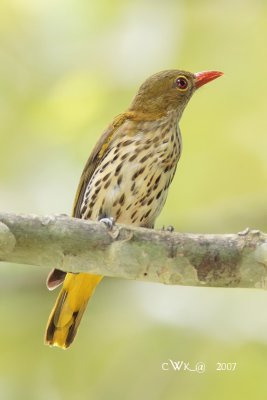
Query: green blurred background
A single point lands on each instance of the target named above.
(66, 68)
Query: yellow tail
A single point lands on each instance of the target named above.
(67, 313)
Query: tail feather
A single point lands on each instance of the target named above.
(55, 278)
(67, 313)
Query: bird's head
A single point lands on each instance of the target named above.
(169, 91)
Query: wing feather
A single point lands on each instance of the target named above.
(56, 277)
(95, 158)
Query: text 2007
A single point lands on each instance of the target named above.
(223, 366)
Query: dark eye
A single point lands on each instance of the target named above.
(182, 83)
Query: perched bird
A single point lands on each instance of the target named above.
(126, 177)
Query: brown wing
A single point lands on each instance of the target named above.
(56, 276)
(96, 156)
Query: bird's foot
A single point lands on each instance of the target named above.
(169, 228)
(113, 230)
(109, 222)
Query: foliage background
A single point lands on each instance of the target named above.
(67, 67)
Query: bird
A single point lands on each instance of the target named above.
(126, 178)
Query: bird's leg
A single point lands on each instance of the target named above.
(110, 224)
(108, 221)
(169, 228)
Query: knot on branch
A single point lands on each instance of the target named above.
(7, 239)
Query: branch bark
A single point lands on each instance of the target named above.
(74, 245)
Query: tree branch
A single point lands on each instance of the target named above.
(230, 260)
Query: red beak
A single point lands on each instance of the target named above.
(201, 78)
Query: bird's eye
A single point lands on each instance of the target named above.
(182, 83)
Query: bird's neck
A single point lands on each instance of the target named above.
(153, 117)
(146, 129)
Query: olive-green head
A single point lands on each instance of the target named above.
(169, 90)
